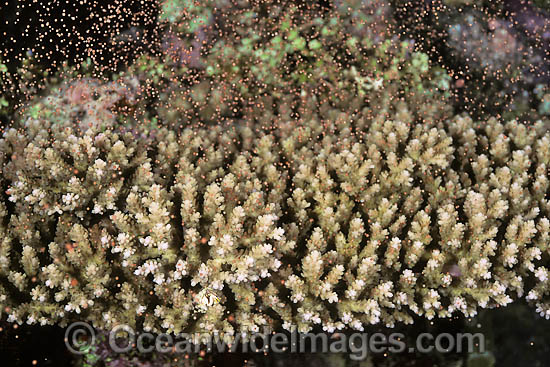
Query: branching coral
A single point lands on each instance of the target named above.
(339, 194)
(276, 164)
(334, 224)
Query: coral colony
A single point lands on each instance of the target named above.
(286, 164)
